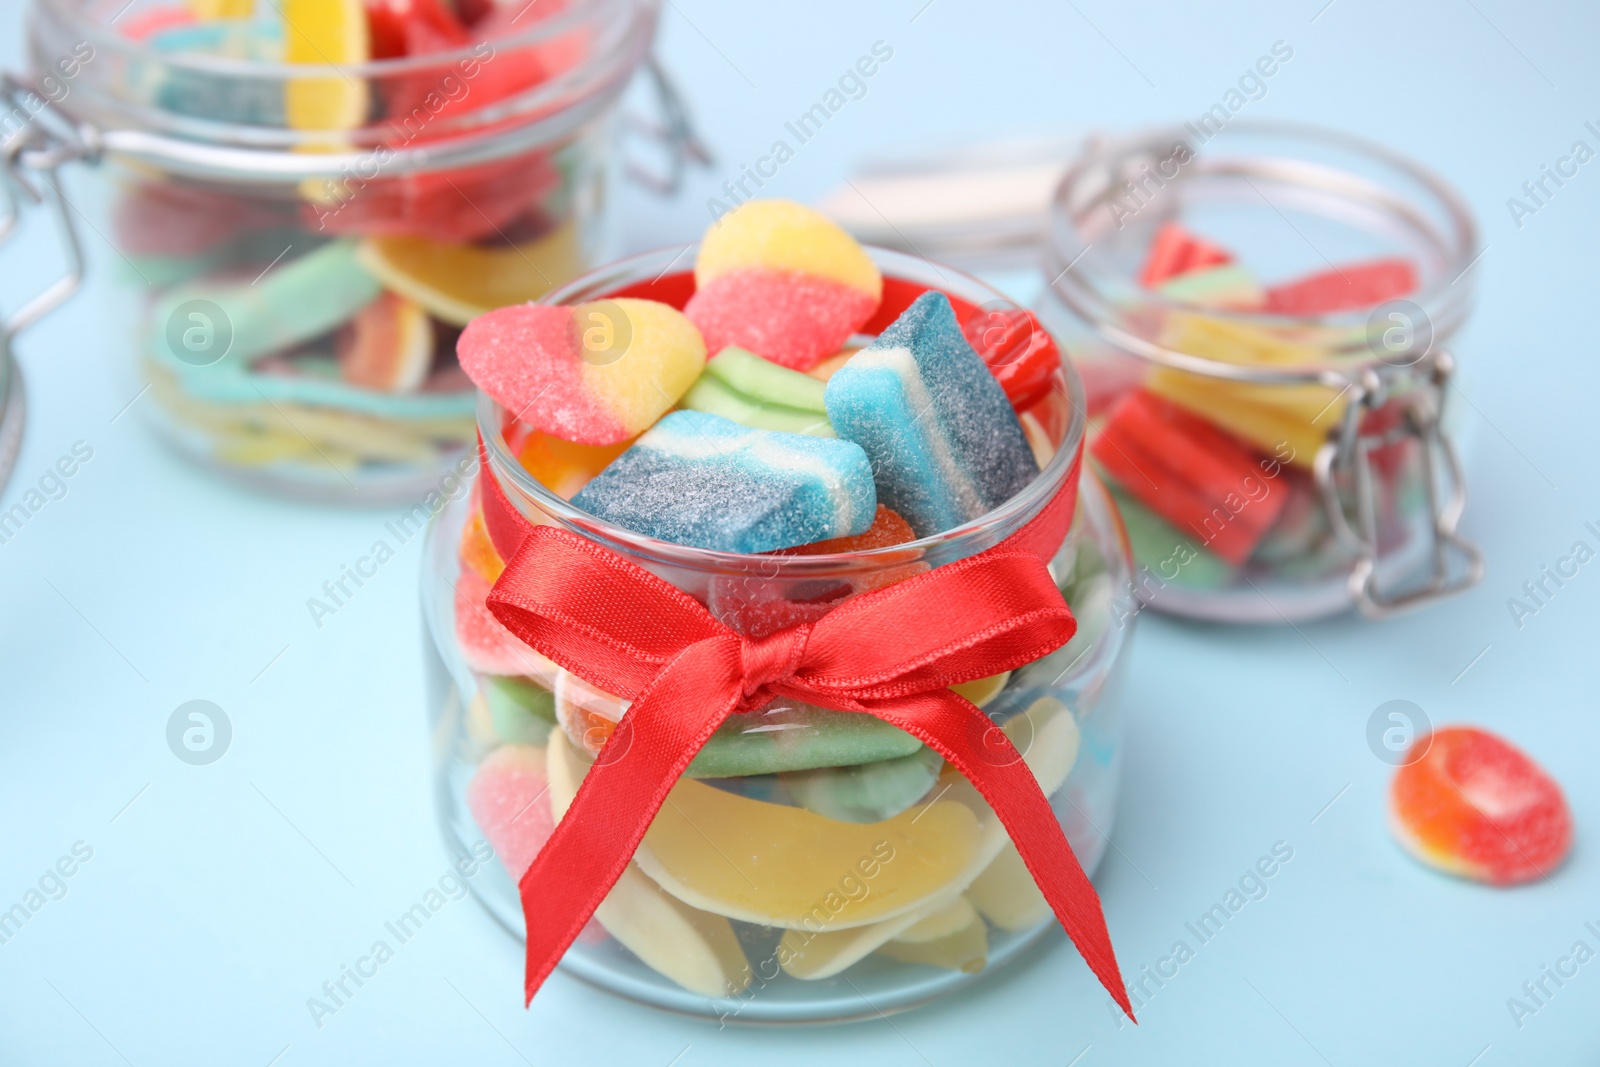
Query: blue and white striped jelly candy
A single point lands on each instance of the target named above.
(703, 480)
(945, 445)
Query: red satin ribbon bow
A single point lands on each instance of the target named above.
(891, 653)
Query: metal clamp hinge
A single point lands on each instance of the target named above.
(1344, 462)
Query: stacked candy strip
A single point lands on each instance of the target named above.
(343, 309)
(1213, 475)
(871, 448)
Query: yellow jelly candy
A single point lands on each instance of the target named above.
(207, 10)
(698, 951)
(1287, 421)
(639, 357)
(982, 690)
(457, 283)
(812, 956)
(789, 867)
(966, 950)
(950, 919)
(786, 236)
(323, 33)
(1006, 895)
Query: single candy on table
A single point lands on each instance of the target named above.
(1475, 806)
(783, 281)
(944, 442)
(595, 374)
(702, 480)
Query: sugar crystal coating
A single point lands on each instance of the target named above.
(703, 480)
(944, 443)
(794, 319)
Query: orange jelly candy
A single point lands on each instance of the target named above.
(1477, 807)
(887, 529)
(565, 467)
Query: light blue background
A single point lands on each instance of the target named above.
(219, 898)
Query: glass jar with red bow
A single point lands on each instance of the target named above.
(782, 787)
(305, 201)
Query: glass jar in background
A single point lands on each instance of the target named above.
(299, 244)
(1276, 448)
(821, 791)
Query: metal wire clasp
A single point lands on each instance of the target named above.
(1344, 475)
(672, 134)
(31, 158)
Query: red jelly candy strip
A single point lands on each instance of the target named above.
(1176, 251)
(1018, 351)
(1189, 472)
(1360, 285)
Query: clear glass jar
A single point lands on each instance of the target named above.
(1270, 466)
(299, 244)
(498, 707)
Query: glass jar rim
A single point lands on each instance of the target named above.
(1011, 515)
(1074, 278)
(127, 128)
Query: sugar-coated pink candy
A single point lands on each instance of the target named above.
(595, 374)
(487, 645)
(789, 317)
(508, 799)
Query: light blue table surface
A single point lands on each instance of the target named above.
(218, 899)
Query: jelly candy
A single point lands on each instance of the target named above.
(507, 799)
(1006, 895)
(1475, 806)
(965, 950)
(950, 919)
(458, 282)
(1018, 351)
(697, 950)
(1218, 287)
(702, 480)
(781, 866)
(486, 644)
(388, 346)
(886, 531)
(595, 374)
(293, 303)
(320, 32)
(782, 281)
(944, 443)
(413, 28)
(477, 551)
(1288, 421)
(222, 9)
(1359, 285)
(784, 735)
(866, 792)
(752, 391)
(522, 713)
(1176, 251)
(823, 953)
(1180, 466)
(563, 467)
(185, 90)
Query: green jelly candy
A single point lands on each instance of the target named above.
(867, 792)
(752, 391)
(292, 303)
(522, 713)
(1169, 554)
(791, 736)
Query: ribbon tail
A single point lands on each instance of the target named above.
(595, 840)
(965, 736)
